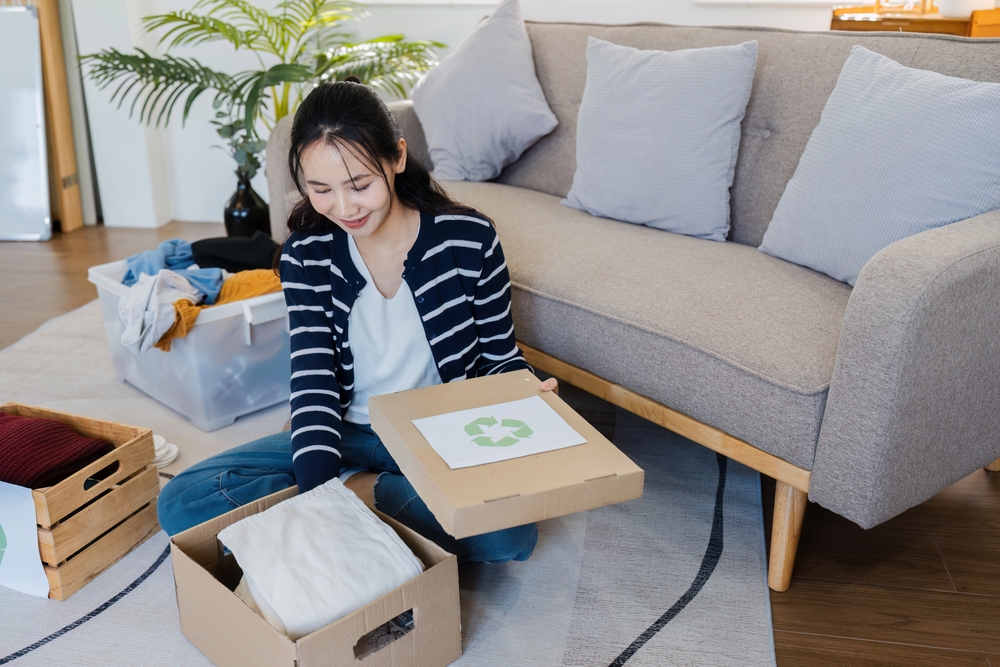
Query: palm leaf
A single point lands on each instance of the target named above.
(322, 22)
(273, 34)
(306, 36)
(252, 86)
(329, 39)
(189, 29)
(388, 64)
(158, 83)
(309, 12)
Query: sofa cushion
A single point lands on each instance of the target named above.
(724, 333)
(658, 133)
(796, 71)
(483, 106)
(897, 151)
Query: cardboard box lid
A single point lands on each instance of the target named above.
(484, 498)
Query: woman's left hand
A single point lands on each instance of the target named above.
(551, 384)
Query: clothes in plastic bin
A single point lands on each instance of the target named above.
(234, 361)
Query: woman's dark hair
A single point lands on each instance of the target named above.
(350, 116)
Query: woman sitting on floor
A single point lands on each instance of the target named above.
(390, 285)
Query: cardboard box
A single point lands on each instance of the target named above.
(484, 498)
(84, 528)
(230, 634)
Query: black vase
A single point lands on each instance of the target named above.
(246, 212)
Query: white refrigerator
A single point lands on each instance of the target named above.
(24, 181)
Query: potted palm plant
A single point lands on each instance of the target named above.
(298, 44)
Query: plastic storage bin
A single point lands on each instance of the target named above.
(234, 361)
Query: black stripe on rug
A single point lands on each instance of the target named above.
(80, 621)
(711, 558)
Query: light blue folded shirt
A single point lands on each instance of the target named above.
(176, 255)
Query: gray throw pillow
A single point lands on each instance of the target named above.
(897, 151)
(482, 107)
(658, 134)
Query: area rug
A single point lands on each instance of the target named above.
(674, 578)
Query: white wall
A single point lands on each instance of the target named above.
(127, 170)
(147, 177)
(791, 14)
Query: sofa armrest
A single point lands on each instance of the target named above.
(914, 404)
(281, 190)
(412, 131)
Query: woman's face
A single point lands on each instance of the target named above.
(351, 193)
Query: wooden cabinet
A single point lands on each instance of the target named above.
(865, 19)
(985, 24)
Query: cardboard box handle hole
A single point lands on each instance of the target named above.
(385, 634)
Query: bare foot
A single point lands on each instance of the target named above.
(363, 486)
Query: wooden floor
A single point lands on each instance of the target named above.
(39, 281)
(920, 590)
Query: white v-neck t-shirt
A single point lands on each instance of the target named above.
(391, 352)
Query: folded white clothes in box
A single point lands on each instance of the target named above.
(317, 557)
(147, 309)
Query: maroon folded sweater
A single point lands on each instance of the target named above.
(36, 452)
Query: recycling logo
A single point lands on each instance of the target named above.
(510, 432)
(3, 543)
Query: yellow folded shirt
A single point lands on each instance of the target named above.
(242, 285)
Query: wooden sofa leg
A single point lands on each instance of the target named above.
(994, 467)
(789, 509)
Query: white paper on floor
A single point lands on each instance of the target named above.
(497, 432)
(20, 565)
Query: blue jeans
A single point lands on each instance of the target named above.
(249, 472)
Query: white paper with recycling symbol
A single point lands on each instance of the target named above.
(20, 563)
(497, 432)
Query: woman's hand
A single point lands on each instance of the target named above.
(551, 384)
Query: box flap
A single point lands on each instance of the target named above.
(200, 542)
(225, 629)
(481, 499)
(429, 553)
(212, 617)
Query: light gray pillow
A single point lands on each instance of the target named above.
(482, 107)
(658, 134)
(897, 151)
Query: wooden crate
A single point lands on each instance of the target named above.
(84, 530)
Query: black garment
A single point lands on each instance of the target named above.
(235, 253)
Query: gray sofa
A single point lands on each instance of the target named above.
(870, 400)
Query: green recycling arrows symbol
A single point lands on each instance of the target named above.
(518, 431)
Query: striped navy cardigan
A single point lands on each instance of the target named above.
(461, 288)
